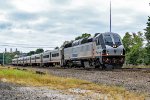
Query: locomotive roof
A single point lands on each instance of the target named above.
(106, 33)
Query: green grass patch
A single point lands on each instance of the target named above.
(54, 82)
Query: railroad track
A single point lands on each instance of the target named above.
(134, 69)
(89, 69)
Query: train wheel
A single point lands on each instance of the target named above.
(82, 64)
(97, 64)
(68, 64)
(118, 66)
(107, 67)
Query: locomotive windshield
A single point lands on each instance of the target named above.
(117, 39)
(108, 40)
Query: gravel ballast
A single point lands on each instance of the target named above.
(9, 91)
(136, 81)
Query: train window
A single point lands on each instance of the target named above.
(55, 55)
(37, 57)
(117, 39)
(90, 40)
(32, 58)
(108, 40)
(46, 56)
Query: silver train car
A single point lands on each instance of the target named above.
(48, 58)
(105, 50)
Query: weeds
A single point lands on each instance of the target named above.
(32, 79)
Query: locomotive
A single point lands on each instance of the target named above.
(105, 50)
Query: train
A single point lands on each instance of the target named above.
(105, 50)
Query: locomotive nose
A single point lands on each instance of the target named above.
(114, 46)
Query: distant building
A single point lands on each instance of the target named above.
(16, 50)
(5, 50)
(10, 50)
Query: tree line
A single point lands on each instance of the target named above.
(137, 46)
(136, 49)
(37, 51)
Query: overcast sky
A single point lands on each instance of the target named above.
(51, 22)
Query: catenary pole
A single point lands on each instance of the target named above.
(110, 15)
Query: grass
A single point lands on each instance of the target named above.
(29, 78)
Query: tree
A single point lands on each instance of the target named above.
(37, 51)
(7, 58)
(135, 52)
(31, 53)
(127, 42)
(67, 43)
(17, 52)
(85, 35)
(147, 35)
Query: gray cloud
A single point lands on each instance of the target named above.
(5, 25)
(5, 5)
(22, 16)
(60, 2)
(65, 20)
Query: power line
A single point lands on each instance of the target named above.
(19, 44)
(27, 46)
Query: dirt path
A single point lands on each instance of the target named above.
(9, 91)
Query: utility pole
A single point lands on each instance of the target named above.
(110, 15)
